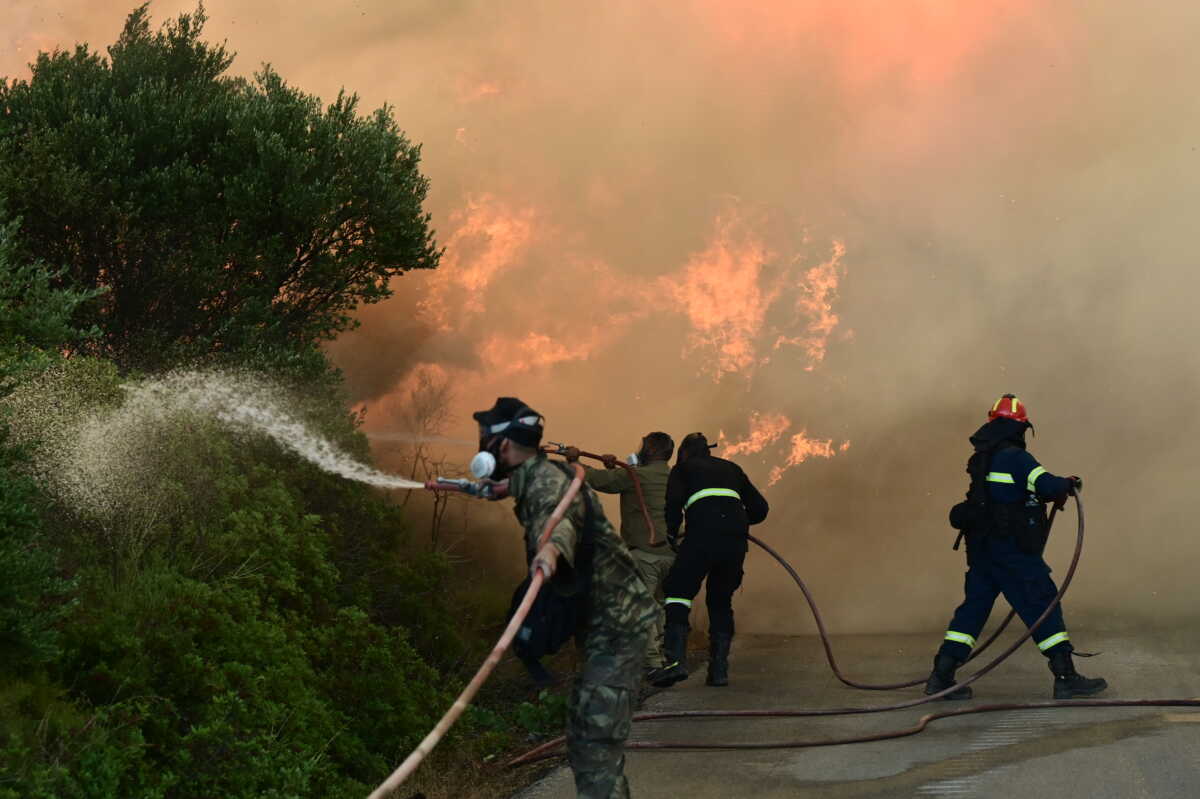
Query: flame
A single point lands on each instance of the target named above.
(818, 291)
(804, 448)
(489, 237)
(764, 431)
(719, 290)
(502, 354)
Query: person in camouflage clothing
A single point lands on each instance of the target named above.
(621, 609)
(649, 547)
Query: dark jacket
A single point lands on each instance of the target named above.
(721, 515)
(1012, 473)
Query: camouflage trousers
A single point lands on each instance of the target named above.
(653, 567)
(601, 710)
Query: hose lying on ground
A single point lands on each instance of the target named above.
(546, 750)
(405, 769)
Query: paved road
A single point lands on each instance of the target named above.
(1077, 752)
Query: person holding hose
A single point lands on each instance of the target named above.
(585, 556)
(648, 546)
(1004, 522)
(719, 504)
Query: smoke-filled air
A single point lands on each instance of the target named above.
(829, 234)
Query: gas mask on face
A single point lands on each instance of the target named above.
(486, 462)
(508, 419)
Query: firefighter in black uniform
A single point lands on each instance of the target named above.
(720, 504)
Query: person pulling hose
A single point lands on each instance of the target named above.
(1003, 520)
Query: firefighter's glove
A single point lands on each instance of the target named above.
(546, 560)
(1075, 484)
(609, 461)
(571, 454)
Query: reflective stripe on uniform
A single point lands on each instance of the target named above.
(1053, 640)
(1000, 477)
(1031, 483)
(960, 638)
(678, 600)
(711, 492)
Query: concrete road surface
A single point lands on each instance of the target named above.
(1078, 752)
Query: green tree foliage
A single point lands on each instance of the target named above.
(221, 214)
(35, 316)
(256, 643)
(242, 625)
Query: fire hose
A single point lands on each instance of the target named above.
(546, 750)
(561, 449)
(405, 769)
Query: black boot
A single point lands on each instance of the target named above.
(675, 638)
(1068, 683)
(718, 659)
(942, 677)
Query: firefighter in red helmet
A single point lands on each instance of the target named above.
(1004, 522)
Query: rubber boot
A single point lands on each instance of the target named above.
(675, 638)
(1070, 684)
(942, 677)
(718, 659)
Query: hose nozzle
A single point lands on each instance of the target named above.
(481, 489)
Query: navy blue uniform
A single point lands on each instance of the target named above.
(1007, 564)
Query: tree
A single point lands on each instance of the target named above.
(35, 317)
(221, 214)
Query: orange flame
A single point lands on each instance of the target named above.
(818, 291)
(804, 448)
(488, 238)
(764, 431)
(503, 354)
(720, 292)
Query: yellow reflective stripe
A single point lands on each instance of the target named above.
(1031, 483)
(1057, 638)
(1001, 477)
(678, 600)
(960, 638)
(996, 407)
(711, 492)
(1016, 405)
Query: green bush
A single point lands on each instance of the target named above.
(266, 639)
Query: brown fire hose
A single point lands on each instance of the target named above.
(633, 476)
(824, 634)
(547, 750)
(405, 769)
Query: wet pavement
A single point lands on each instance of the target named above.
(1074, 752)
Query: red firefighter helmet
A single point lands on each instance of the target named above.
(1009, 407)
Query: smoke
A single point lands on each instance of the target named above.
(866, 219)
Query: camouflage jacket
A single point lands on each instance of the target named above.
(619, 599)
(653, 477)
